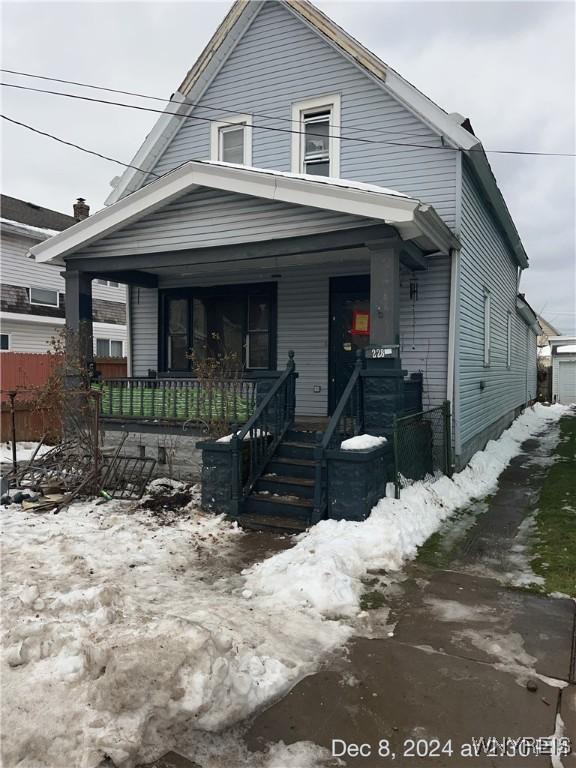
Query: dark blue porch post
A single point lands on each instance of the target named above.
(384, 378)
(79, 331)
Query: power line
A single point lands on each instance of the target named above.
(76, 146)
(282, 130)
(388, 131)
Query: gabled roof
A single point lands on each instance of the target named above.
(412, 219)
(454, 129)
(13, 210)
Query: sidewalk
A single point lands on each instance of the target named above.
(452, 653)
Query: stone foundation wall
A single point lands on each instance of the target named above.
(176, 455)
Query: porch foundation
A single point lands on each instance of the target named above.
(177, 456)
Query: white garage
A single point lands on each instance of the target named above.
(563, 349)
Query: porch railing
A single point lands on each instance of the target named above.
(254, 444)
(346, 421)
(178, 399)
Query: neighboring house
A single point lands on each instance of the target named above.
(315, 201)
(544, 351)
(33, 294)
(563, 353)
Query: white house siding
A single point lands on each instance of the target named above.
(303, 320)
(279, 61)
(486, 263)
(17, 269)
(30, 336)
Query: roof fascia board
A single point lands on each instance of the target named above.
(528, 315)
(25, 317)
(388, 208)
(192, 89)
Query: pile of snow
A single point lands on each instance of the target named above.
(121, 635)
(323, 572)
(362, 443)
(24, 451)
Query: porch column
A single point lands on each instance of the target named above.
(384, 294)
(383, 378)
(79, 341)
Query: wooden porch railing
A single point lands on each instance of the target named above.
(256, 442)
(178, 399)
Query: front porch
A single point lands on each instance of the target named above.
(350, 284)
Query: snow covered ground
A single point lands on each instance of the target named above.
(126, 634)
(24, 451)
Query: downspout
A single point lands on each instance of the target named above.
(129, 330)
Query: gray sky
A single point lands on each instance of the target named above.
(509, 66)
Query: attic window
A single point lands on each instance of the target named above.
(44, 297)
(231, 141)
(316, 142)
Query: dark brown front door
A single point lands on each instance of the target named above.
(349, 330)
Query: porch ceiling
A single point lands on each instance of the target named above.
(412, 220)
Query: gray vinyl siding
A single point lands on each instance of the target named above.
(303, 320)
(144, 329)
(424, 328)
(206, 218)
(279, 61)
(486, 263)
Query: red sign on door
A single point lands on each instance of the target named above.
(360, 323)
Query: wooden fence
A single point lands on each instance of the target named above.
(25, 373)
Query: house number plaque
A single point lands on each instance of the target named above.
(378, 353)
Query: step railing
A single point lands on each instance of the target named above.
(255, 443)
(346, 421)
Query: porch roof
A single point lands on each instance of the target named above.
(412, 219)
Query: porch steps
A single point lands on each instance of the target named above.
(283, 496)
(261, 522)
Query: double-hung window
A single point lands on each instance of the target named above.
(44, 297)
(231, 140)
(316, 137)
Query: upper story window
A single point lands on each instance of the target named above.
(316, 137)
(4, 342)
(44, 297)
(509, 340)
(231, 140)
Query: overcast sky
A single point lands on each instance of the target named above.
(509, 66)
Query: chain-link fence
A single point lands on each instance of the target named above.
(422, 446)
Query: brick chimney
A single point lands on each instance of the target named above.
(81, 210)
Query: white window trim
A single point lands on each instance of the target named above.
(509, 340)
(298, 109)
(215, 128)
(109, 340)
(39, 303)
(487, 327)
(9, 337)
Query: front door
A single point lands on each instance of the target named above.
(349, 330)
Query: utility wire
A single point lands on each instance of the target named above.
(75, 146)
(283, 130)
(372, 131)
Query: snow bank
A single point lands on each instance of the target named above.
(323, 571)
(24, 451)
(362, 443)
(122, 634)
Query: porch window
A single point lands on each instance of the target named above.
(231, 322)
(316, 142)
(231, 140)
